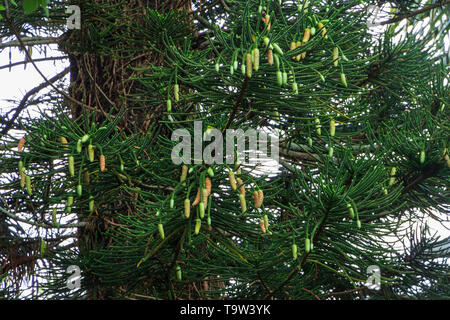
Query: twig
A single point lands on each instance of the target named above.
(421, 177)
(13, 28)
(35, 60)
(23, 105)
(310, 292)
(264, 284)
(302, 262)
(341, 293)
(412, 14)
(50, 226)
(236, 104)
(29, 41)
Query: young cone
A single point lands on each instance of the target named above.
(102, 163)
(241, 184)
(21, 144)
(262, 226)
(197, 198)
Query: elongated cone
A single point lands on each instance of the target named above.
(279, 78)
(335, 56)
(232, 180)
(344, 79)
(243, 203)
(91, 203)
(422, 156)
(179, 277)
(318, 126)
(261, 225)
(249, 67)
(270, 57)
(266, 221)
(22, 178)
(284, 78)
(176, 90)
(294, 251)
(65, 143)
(261, 196)
(201, 210)
(28, 185)
(71, 166)
(241, 184)
(91, 152)
(276, 59)
(184, 172)
(161, 230)
(198, 224)
(266, 20)
(187, 208)
(197, 198)
(351, 213)
(277, 49)
(79, 146)
(208, 188)
(255, 198)
(21, 144)
(102, 162)
(256, 59)
(332, 127)
(307, 245)
(305, 40)
(295, 87)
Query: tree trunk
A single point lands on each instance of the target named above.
(100, 72)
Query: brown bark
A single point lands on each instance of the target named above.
(102, 83)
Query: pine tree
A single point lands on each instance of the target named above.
(361, 115)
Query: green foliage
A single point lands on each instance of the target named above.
(394, 105)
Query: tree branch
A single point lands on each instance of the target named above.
(421, 177)
(236, 104)
(29, 41)
(23, 103)
(35, 60)
(415, 13)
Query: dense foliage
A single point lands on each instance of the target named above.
(362, 116)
